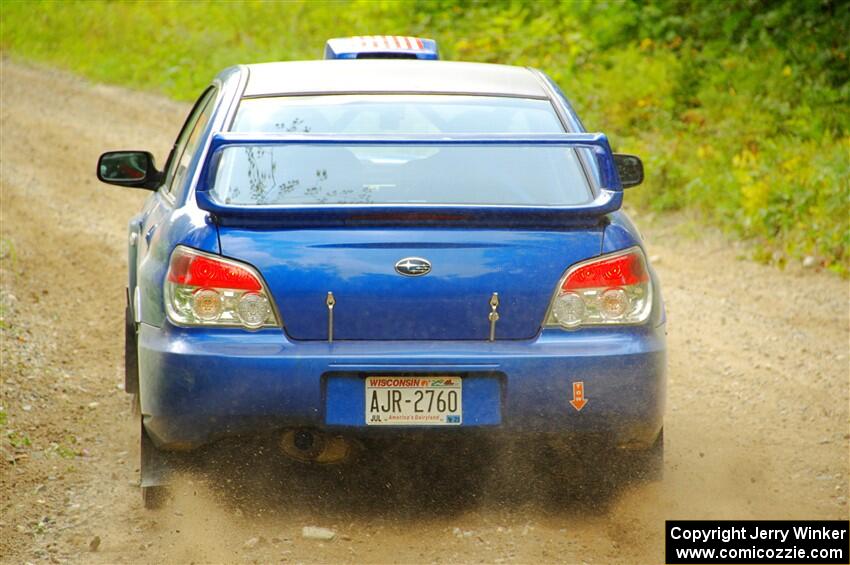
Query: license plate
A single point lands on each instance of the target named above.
(414, 401)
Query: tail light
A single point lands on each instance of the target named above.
(208, 290)
(612, 289)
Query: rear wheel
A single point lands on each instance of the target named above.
(155, 498)
(594, 471)
(155, 465)
(646, 465)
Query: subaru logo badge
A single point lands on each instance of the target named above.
(413, 267)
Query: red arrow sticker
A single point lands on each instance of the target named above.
(578, 400)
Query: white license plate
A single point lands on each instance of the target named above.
(414, 401)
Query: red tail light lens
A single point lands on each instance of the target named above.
(199, 270)
(623, 270)
(612, 289)
(204, 289)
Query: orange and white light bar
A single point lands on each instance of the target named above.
(381, 47)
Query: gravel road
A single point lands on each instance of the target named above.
(757, 416)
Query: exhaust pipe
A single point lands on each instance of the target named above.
(313, 446)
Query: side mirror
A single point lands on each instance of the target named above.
(630, 169)
(129, 168)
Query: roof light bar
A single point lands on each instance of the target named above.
(381, 47)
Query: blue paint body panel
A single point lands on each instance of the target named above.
(200, 385)
(376, 303)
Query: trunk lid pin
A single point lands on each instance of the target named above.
(330, 303)
(494, 315)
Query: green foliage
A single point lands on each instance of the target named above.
(739, 109)
(63, 451)
(18, 441)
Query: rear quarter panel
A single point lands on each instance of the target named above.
(168, 221)
(165, 228)
(621, 233)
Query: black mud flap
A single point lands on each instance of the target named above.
(157, 466)
(131, 352)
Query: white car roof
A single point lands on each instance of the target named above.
(391, 76)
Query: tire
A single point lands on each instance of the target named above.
(595, 472)
(154, 498)
(646, 466)
(152, 461)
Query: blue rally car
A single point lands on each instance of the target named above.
(384, 244)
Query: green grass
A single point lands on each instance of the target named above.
(18, 441)
(741, 110)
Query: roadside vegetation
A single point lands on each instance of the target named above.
(741, 110)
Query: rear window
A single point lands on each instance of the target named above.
(403, 173)
(402, 114)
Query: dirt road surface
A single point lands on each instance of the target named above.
(757, 416)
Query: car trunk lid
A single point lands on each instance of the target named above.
(373, 301)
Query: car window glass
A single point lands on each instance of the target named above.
(187, 141)
(508, 175)
(393, 113)
(404, 174)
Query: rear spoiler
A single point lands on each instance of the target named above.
(608, 195)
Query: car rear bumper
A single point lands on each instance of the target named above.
(198, 385)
